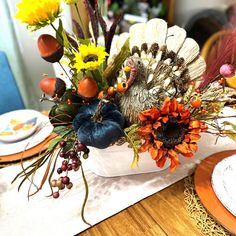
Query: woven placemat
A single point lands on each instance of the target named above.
(206, 224)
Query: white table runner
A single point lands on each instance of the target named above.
(47, 216)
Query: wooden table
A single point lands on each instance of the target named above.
(163, 213)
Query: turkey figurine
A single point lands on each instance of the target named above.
(163, 62)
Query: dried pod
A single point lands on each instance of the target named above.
(53, 86)
(50, 49)
(87, 87)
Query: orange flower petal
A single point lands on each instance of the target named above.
(145, 146)
(175, 114)
(194, 137)
(182, 148)
(153, 152)
(185, 114)
(156, 125)
(180, 107)
(194, 124)
(152, 114)
(165, 119)
(161, 162)
(193, 146)
(158, 143)
(173, 105)
(195, 131)
(190, 154)
(174, 160)
(142, 117)
(165, 107)
(147, 129)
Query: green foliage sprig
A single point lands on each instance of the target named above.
(134, 141)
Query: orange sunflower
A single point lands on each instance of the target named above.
(169, 131)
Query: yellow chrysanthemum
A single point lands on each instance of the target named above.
(37, 14)
(90, 57)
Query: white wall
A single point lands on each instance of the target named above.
(184, 9)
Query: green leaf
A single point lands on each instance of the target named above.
(233, 126)
(84, 41)
(231, 135)
(59, 33)
(69, 146)
(66, 42)
(60, 130)
(54, 143)
(230, 132)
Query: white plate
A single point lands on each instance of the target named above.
(224, 182)
(43, 131)
(18, 125)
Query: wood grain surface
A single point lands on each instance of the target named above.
(163, 213)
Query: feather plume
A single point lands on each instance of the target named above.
(223, 52)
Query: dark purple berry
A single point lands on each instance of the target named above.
(56, 195)
(74, 165)
(62, 143)
(72, 154)
(75, 159)
(80, 147)
(62, 154)
(63, 167)
(66, 180)
(65, 162)
(59, 170)
(69, 167)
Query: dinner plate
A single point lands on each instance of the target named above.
(42, 132)
(203, 186)
(224, 182)
(18, 125)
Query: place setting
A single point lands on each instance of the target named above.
(214, 181)
(23, 133)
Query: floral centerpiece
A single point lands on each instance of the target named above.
(146, 87)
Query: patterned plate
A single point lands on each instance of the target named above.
(224, 182)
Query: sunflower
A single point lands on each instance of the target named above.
(38, 14)
(169, 131)
(90, 57)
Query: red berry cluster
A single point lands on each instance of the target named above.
(71, 162)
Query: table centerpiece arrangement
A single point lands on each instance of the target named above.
(149, 88)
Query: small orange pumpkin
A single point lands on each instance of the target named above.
(87, 87)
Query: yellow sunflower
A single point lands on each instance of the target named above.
(37, 14)
(90, 57)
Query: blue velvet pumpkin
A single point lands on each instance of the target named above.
(102, 132)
